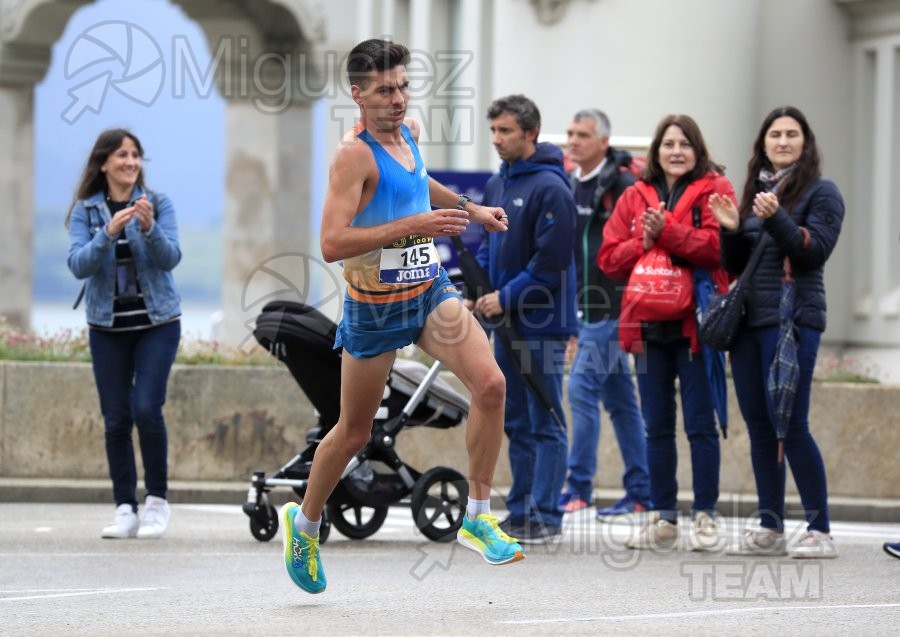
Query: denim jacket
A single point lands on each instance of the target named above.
(92, 256)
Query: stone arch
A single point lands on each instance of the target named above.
(267, 147)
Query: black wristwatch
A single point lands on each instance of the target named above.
(463, 200)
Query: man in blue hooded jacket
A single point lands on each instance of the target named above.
(532, 270)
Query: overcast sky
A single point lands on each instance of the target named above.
(116, 56)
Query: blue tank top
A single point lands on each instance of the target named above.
(408, 262)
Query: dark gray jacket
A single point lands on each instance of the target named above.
(820, 211)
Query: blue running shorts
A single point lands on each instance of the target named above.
(369, 329)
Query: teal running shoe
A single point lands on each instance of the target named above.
(484, 536)
(301, 553)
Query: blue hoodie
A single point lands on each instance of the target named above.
(532, 264)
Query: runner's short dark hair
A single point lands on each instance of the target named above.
(374, 55)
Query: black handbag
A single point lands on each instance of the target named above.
(722, 317)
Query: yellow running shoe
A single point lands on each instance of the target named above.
(301, 553)
(484, 536)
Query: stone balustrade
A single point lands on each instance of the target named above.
(225, 422)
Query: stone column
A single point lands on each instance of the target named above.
(267, 221)
(884, 175)
(17, 195)
(470, 152)
(389, 17)
(27, 30)
(365, 13)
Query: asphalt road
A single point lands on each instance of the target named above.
(208, 576)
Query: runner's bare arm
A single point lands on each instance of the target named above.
(493, 219)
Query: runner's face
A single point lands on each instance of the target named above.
(122, 167)
(385, 98)
(510, 140)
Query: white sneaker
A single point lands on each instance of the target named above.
(759, 541)
(124, 525)
(814, 545)
(704, 532)
(656, 535)
(155, 519)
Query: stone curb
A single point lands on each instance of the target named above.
(24, 490)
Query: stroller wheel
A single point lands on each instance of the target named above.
(439, 503)
(354, 519)
(264, 523)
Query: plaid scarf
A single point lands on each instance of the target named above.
(774, 182)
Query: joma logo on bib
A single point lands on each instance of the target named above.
(414, 274)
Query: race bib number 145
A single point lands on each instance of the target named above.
(409, 260)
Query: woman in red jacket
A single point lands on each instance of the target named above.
(661, 231)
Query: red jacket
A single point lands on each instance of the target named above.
(623, 243)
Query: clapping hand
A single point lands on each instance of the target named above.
(119, 220)
(725, 212)
(765, 204)
(653, 221)
(143, 211)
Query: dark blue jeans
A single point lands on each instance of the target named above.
(537, 444)
(751, 358)
(658, 367)
(131, 370)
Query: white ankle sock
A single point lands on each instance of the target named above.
(476, 507)
(305, 525)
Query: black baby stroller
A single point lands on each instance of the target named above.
(302, 338)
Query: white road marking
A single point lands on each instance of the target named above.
(699, 613)
(78, 592)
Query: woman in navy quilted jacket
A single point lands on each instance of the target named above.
(786, 199)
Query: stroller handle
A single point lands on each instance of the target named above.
(422, 389)
(397, 422)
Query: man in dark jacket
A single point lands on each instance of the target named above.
(532, 271)
(601, 371)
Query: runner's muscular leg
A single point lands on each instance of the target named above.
(454, 337)
(362, 388)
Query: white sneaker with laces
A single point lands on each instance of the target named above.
(656, 534)
(814, 545)
(759, 541)
(155, 519)
(704, 532)
(124, 525)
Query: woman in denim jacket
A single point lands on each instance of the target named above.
(123, 241)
